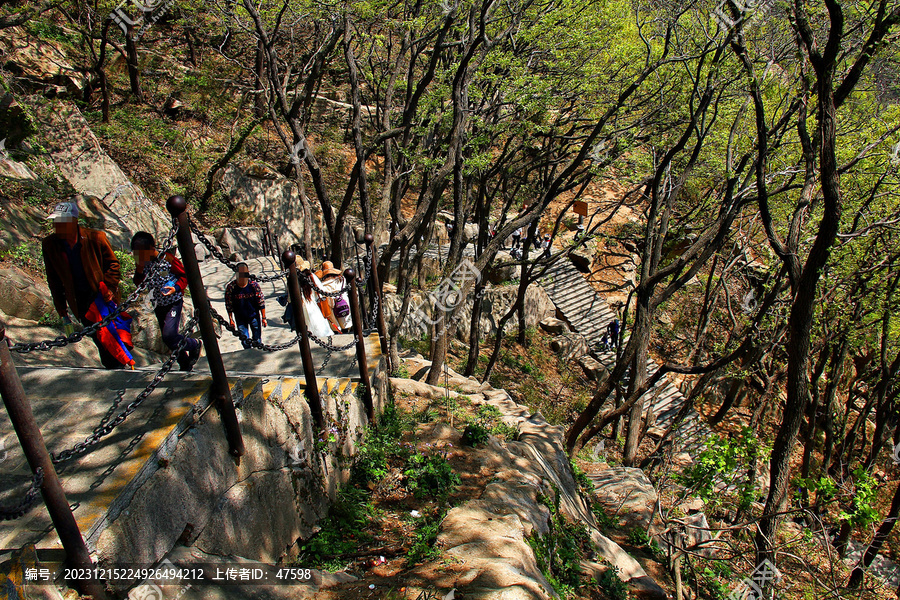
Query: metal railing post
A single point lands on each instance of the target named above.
(356, 314)
(177, 206)
(289, 261)
(29, 434)
(376, 290)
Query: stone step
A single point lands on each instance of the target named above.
(68, 404)
(101, 483)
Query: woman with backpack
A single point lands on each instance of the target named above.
(333, 281)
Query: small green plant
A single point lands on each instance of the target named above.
(126, 268)
(639, 537)
(26, 255)
(430, 474)
(488, 420)
(584, 482)
(604, 520)
(610, 583)
(560, 553)
(380, 443)
(475, 433)
(341, 532)
(422, 548)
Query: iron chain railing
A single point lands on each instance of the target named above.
(373, 316)
(76, 337)
(244, 338)
(20, 509)
(324, 362)
(329, 346)
(345, 288)
(217, 254)
(106, 425)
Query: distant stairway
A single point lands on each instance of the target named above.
(588, 314)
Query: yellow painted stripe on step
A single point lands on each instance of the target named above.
(249, 385)
(330, 384)
(342, 386)
(270, 387)
(288, 385)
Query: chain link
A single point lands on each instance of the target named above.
(368, 267)
(322, 292)
(76, 337)
(329, 346)
(253, 343)
(217, 254)
(325, 362)
(373, 318)
(17, 511)
(106, 426)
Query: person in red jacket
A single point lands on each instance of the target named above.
(167, 281)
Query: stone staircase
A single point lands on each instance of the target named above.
(588, 314)
(121, 490)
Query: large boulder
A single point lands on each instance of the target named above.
(569, 346)
(22, 297)
(264, 193)
(248, 242)
(554, 326)
(42, 65)
(109, 200)
(592, 368)
(20, 225)
(626, 493)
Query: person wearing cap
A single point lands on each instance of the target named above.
(339, 307)
(547, 245)
(77, 260)
(246, 305)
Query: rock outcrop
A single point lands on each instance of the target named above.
(109, 199)
(267, 195)
(487, 537)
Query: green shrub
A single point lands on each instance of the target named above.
(475, 433)
(430, 475)
(26, 255)
(611, 585)
(422, 548)
(559, 554)
(341, 532)
(380, 443)
(581, 478)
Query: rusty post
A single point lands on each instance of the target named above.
(376, 291)
(29, 434)
(177, 206)
(356, 314)
(289, 261)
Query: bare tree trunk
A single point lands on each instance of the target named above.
(475, 332)
(133, 69)
(260, 105)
